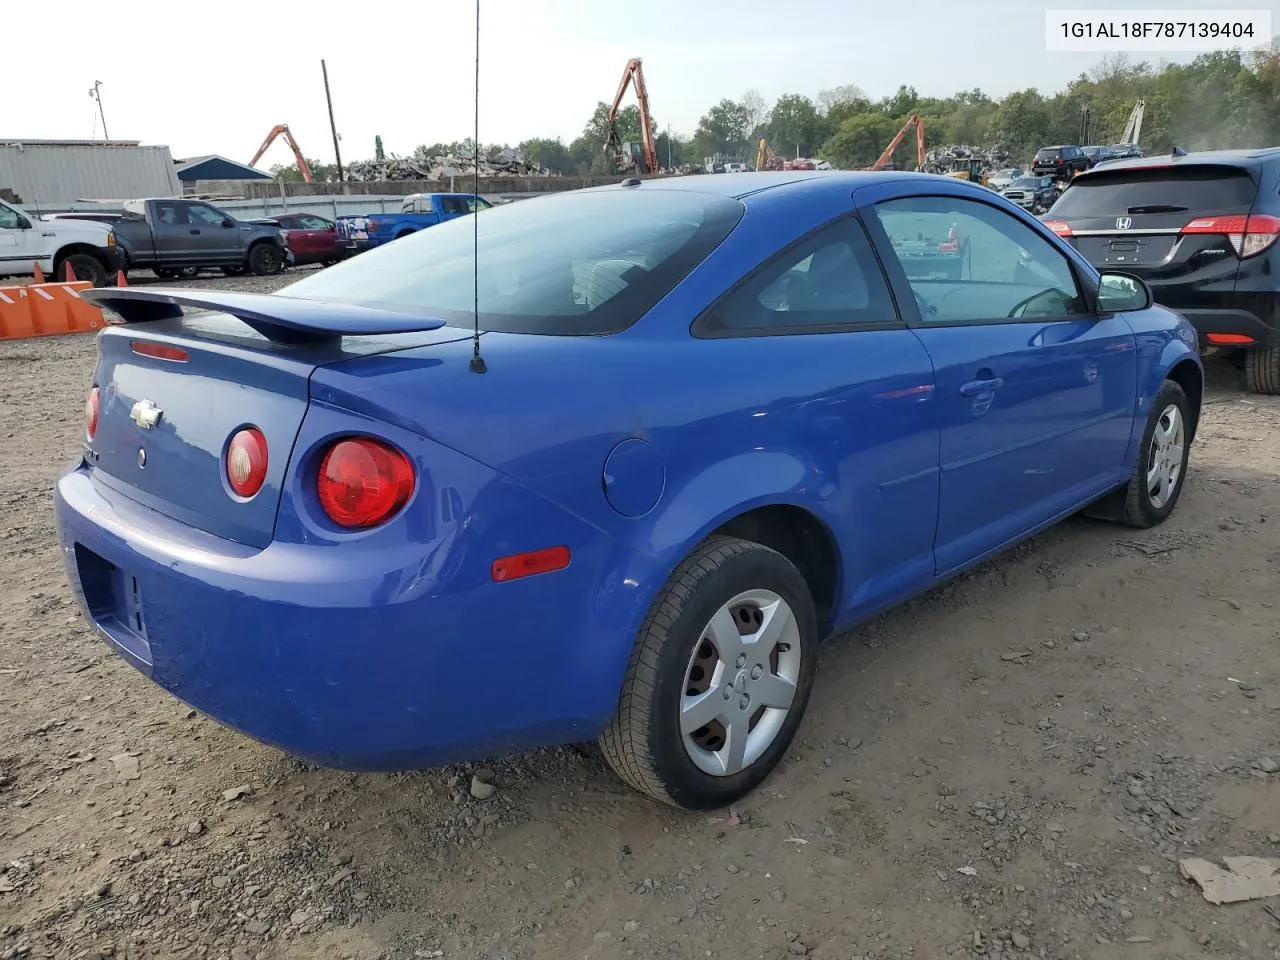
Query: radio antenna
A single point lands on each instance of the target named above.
(477, 361)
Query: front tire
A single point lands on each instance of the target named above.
(719, 678)
(83, 266)
(1157, 482)
(265, 260)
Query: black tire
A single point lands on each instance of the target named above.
(188, 273)
(233, 271)
(1140, 509)
(643, 742)
(265, 259)
(1262, 370)
(84, 266)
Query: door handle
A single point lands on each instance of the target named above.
(976, 388)
(194, 230)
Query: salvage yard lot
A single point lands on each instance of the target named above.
(1063, 724)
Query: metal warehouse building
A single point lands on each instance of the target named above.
(52, 174)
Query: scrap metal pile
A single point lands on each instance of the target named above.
(943, 159)
(504, 163)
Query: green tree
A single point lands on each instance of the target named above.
(724, 129)
(550, 153)
(794, 126)
(860, 139)
(320, 172)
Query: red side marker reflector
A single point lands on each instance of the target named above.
(161, 351)
(527, 564)
(1228, 339)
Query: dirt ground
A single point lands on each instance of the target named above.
(1012, 765)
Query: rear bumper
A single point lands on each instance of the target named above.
(377, 660)
(1231, 322)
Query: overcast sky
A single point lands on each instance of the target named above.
(214, 78)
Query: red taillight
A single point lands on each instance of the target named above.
(91, 413)
(1248, 235)
(363, 481)
(527, 564)
(1058, 227)
(161, 351)
(247, 461)
(1229, 339)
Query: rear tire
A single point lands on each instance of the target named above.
(83, 266)
(719, 678)
(265, 259)
(1262, 369)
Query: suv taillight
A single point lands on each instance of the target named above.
(1249, 235)
(1059, 227)
(91, 413)
(363, 482)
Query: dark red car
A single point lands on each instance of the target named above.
(312, 239)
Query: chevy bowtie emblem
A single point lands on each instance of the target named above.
(145, 414)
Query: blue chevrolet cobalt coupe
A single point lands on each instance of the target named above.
(606, 465)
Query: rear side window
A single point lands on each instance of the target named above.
(830, 279)
(582, 263)
(1198, 190)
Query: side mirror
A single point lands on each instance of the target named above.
(24, 223)
(1121, 292)
(228, 222)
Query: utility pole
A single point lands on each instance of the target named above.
(337, 154)
(98, 96)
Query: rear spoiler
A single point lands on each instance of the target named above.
(280, 319)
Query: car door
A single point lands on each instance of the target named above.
(20, 243)
(318, 238)
(1037, 393)
(215, 237)
(847, 389)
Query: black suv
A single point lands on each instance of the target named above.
(1201, 229)
(1061, 162)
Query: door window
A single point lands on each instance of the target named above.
(969, 262)
(204, 216)
(308, 222)
(8, 218)
(171, 214)
(453, 206)
(830, 279)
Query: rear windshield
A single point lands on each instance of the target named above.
(577, 263)
(1048, 153)
(1200, 190)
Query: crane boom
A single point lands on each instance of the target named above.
(282, 130)
(633, 74)
(918, 121)
(1133, 129)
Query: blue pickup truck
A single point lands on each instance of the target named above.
(419, 210)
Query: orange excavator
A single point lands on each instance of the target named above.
(282, 130)
(642, 156)
(914, 120)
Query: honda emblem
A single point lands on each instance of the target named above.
(1124, 223)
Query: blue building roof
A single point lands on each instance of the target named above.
(214, 167)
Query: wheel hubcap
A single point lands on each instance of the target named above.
(1164, 458)
(740, 683)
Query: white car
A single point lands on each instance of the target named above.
(87, 246)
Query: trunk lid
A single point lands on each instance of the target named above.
(1134, 219)
(208, 376)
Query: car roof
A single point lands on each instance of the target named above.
(740, 186)
(1245, 159)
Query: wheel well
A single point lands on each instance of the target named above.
(803, 539)
(72, 249)
(1187, 375)
(403, 233)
